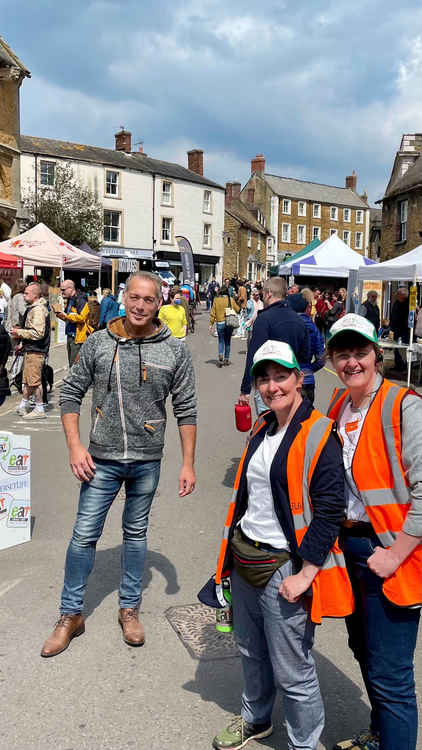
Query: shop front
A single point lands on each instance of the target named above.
(126, 260)
(206, 266)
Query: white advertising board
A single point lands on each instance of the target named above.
(61, 331)
(15, 489)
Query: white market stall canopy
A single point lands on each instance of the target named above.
(407, 267)
(331, 258)
(41, 247)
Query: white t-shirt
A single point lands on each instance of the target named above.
(350, 427)
(260, 521)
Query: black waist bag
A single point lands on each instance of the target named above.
(255, 566)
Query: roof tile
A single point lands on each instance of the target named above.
(109, 157)
(290, 187)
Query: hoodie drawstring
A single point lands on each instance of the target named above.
(142, 374)
(111, 368)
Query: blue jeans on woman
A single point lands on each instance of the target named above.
(383, 640)
(224, 334)
(141, 480)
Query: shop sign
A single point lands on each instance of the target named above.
(412, 297)
(127, 266)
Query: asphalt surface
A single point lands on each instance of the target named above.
(101, 694)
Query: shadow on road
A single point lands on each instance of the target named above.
(230, 474)
(105, 577)
(220, 682)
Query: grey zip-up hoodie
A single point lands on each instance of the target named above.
(131, 380)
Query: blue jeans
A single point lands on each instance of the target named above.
(383, 639)
(141, 480)
(275, 641)
(224, 338)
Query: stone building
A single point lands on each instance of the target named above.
(297, 211)
(402, 203)
(245, 238)
(12, 73)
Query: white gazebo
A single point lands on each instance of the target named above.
(40, 246)
(332, 258)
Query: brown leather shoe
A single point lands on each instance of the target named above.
(133, 630)
(67, 627)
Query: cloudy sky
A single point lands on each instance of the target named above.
(320, 88)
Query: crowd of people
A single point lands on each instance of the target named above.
(326, 515)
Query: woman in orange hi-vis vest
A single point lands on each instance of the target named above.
(381, 427)
(279, 548)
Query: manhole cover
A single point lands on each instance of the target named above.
(195, 626)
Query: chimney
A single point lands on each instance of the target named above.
(258, 164)
(236, 190)
(123, 141)
(352, 181)
(229, 194)
(196, 161)
(251, 196)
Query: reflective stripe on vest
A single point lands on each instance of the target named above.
(336, 402)
(380, 478)
(331, 590)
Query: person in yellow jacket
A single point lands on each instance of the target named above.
(224, 332)
(174, 316)
(76, 316)
(279, 549)
(381, 427)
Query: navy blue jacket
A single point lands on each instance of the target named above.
(279, 322)
(326, 490)
(109, 309)
(317, 347)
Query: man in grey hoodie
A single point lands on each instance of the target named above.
(132, 367)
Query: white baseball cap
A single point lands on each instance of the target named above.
(275, 351)
(355, 323)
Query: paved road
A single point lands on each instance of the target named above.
(100, 694)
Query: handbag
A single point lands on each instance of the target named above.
(255, 566)
(230, 317)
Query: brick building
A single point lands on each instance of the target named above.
(297, 211)
(402, 203)
(245, 237)
(12, 73)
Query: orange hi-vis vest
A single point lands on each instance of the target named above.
(332, 594)
(380, 477)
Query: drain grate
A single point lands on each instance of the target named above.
(195, 626)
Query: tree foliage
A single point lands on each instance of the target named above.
(69, 208)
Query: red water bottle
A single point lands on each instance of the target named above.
(243, 416)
